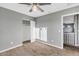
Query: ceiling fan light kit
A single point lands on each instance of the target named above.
(36, 6)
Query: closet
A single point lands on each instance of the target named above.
(26, 30)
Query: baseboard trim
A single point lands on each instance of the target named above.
(11, 48)
(50, 44)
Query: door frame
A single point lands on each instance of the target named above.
(62, 40)
(32, 31)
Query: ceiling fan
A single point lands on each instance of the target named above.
(36, 6)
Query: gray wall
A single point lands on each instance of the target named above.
(53, 23)
(11, 28)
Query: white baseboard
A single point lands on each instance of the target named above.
(11, 48)
(50, 44)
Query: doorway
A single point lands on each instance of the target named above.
(69, 31)
(28, 30)
(43, 34)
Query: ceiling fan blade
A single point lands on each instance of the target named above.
(26, 3)
(40, 9)
(44, 3)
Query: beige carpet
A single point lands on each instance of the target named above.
(39, 49)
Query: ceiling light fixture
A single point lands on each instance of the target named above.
(34, 7)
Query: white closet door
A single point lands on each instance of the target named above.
(37, 33)
(43, 34)
(26, 33)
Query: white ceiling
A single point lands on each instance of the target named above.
(24, 9)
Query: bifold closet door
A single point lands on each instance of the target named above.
(43, 34)
(37, 33)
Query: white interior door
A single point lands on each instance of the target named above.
(26, 33)
(43, 34)
(37, 33)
